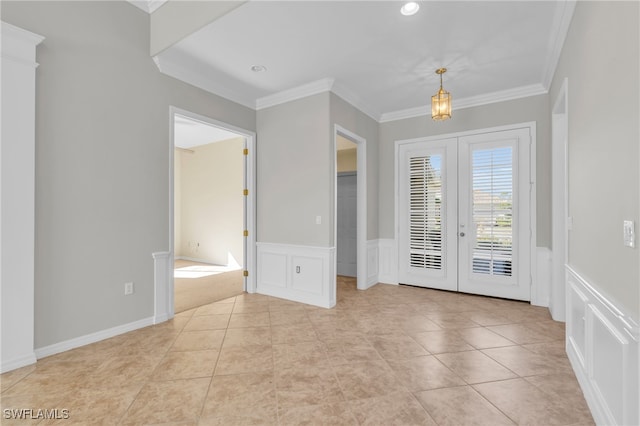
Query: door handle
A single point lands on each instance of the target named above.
(462, 234)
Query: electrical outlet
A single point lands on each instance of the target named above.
(128, 289)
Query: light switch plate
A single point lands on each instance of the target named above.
(629, 233)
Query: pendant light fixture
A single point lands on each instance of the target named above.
(441, 101)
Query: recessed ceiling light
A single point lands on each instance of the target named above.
(258, 68)
(410, 8)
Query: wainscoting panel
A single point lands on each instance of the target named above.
(388, 261)
(577, 322)
(602, 345)
(299, 273)
(372, 263)
(274, 270)
(307, 274)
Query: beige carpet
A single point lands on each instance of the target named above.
(197, 284)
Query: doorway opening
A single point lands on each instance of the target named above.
(350, 208)
(346, 208)
(212, 220)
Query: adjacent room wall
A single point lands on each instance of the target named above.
(102, 162)
(212, 204)
(601, 60)
(347, 160)
(535, 108)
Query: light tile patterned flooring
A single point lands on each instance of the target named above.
(391, 355)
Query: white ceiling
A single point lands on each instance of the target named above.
(189, 133)
(371, 55)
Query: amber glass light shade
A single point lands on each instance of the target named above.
(441, 101)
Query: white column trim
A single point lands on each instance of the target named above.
(162, 274)
(17, 192)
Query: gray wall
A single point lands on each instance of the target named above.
(533, 108)
(294, 158)
(355, 121)
(601, 58)
(102, 162)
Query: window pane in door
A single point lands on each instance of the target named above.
(493, 211)
(425, 221)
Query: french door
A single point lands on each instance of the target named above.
(464, 213)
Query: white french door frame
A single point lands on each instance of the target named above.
(250, 201)
(361, 183)
(531, 126)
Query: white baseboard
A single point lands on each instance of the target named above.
(92, 338)
(388, 261)
(602, 346)
(300, 273)
(12, 364)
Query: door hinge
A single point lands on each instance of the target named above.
(245, 151)
(245, 273)
(245, 233)
(245, 192)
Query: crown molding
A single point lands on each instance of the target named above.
(420, 111)
(473, 101)
(354, 100)
(561, 21)
(202, 81)
(501, 96)
(148, 6)
(294, 93)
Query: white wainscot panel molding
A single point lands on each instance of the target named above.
(542, 279)
(602, 345)
(163, 294)
(372, 263)
(387, 261)
(300, 273)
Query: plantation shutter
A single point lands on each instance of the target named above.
(492, 201)
(425, 211)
